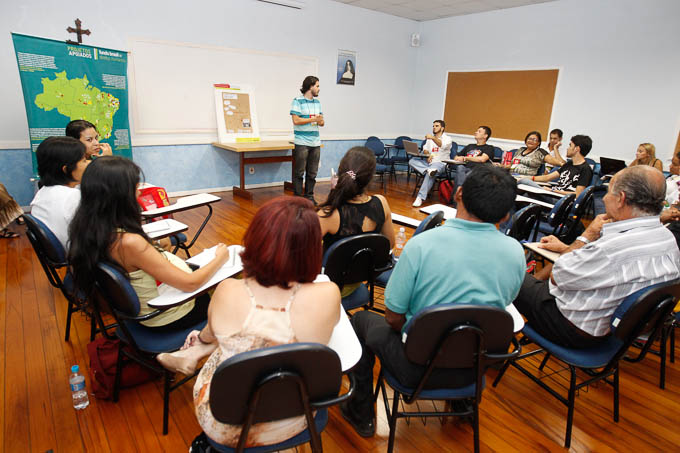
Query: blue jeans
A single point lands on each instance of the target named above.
(421, 166)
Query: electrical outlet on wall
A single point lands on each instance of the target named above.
(251, 170)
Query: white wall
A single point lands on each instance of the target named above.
(620, 66)
(377, 105)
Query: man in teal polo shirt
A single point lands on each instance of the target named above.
(467, 260)
(305, 111)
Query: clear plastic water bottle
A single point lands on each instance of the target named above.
(78, 390)
(401, 240)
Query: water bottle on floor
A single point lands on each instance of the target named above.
(78, 390)
(401, 240)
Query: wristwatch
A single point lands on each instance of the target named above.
(583, 239)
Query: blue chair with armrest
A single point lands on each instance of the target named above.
(114, 291)
(449, 338)
(52, 257)
(382, 165)
(644, 310)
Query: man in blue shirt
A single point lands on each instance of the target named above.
(467, 260)
(306, 113)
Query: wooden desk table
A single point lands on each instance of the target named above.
(256, 147)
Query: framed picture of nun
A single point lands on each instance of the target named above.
(347, 67)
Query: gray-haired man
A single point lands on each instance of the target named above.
(620, 252)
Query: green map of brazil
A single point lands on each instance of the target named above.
(77, 99)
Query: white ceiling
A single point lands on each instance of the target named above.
(422, 10)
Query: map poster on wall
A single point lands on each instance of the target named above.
(64, 82)
(235, 110)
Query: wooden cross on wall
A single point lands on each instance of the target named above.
(79, 31)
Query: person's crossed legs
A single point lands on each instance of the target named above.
(429, 172)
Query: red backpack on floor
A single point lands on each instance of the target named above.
(446, 191)
(103, 355)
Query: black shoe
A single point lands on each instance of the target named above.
(363, 428)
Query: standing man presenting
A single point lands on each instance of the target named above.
(438, 147)
(306, 113)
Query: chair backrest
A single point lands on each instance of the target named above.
(44, 242)
(435, 333)
(560, 210)
(429, 222)
(399, 141)
(357, 258)
(578, 209)
(497, 154)
(117, 291)
(50, 253)
(524, 226)
(454, 150)
(644, 310)
(277, 377)
(376, 145)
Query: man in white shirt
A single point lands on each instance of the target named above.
(438, 148)
(620, 252)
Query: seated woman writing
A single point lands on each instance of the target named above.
(528, 159)
(61, 163)
(276, 303)
(107, 227)
(349, 210)
(87, 133)
(646, 155)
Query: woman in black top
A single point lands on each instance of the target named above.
(349, 210)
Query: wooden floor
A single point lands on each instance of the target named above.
(36, 412)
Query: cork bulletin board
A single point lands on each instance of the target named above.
(512, 103)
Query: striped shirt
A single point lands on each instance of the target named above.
(593, 280)
(306, 134)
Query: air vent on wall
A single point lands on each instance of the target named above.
(297, 4)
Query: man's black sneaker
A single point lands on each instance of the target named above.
(363, 428)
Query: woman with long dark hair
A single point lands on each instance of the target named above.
(349, 210)
(275, 303)
(107, 227)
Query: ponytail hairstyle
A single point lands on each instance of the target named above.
(355, 172)
(108, 203)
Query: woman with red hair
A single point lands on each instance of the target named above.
(275, 303)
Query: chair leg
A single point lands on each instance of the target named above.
(545, 360)
(93, 328)
(672, 351)
(570, 406)
(662, 350)
(167, 376)
(119, 371)
(393, 421)
(502, 371)
(377, 385)
(616, 394)
(475, 424)
(68, 320)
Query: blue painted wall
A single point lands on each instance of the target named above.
(178, 167)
